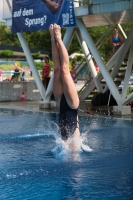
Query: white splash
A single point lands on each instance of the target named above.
(60, 151)
(63, 152)
(84, 143)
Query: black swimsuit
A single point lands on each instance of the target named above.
(16, 70)
(67, 119)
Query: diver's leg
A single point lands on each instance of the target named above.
(57, 84)
(69, 89)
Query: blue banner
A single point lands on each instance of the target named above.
(33, 15)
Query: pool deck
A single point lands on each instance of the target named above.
(84, 106)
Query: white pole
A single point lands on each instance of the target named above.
(68, 36)
(99, 61)
(31, 64)
(109, 98)
(123, 32)
(111, 63)
(122, 54)
(89, 61)
(128, 72)
(30, 60)
(129, 99)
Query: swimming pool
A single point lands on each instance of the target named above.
(31, 169)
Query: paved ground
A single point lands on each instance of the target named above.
(28, 105)
(84, 106)
(31, 105)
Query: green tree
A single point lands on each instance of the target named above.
(6, 53)
(39, 65)
(35, 55)
(7, 37)
(42, 40)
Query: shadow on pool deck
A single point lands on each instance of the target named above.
(84, 106)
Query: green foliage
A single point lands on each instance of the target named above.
(79, 58)
(105, 49)
(126, 27)
(5, 67)
(36, 55)
(39, 39)
(129, 91)
(39, 65)
(74, 46)
(8, 38)
(10, 66)
(42, 40)
(6, 53)
(70, 65)
(52, 64)
(19, 63)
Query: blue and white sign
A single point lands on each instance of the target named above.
(33, 15)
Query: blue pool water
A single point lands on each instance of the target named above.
(31, 169)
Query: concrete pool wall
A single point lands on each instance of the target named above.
(12, 91)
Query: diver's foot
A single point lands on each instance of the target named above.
(51, 29)
(57, 32)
